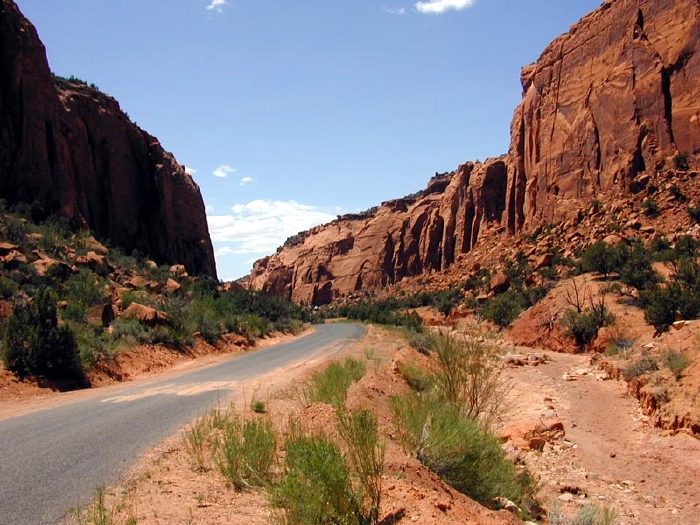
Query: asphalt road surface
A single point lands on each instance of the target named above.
(53, 459)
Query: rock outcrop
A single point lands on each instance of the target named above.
(613, 98)
(403, 237)
(610, 99)
(71, 149)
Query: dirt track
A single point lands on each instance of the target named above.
(617, 458)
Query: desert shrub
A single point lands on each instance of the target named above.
(660, 305)
(8, 287)
(636, 268)
(594, 515)
(130, 330)
(81, 291)
(16, 229)
(421, 341)
(468, 376)
(245, 451)
(694, 212)
(502, 309)
(650, 207)
(681, 161)
(676, 361)
(418, 379)
(677, 193)
(582, 323)
(34, 343)
(315, 486)
(196, 439)
(600, 257)
(91, 341)
(55, 235)
(331, 384)
(644, 364)
(464, 454)
(365, 455)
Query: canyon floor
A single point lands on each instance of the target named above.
(609, 453)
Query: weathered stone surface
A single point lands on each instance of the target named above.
(72, 149)
(605, 104)
(401, 238)
(145, 314)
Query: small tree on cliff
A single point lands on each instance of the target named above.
(35, 344)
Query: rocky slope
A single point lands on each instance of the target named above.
(74, 151)
(606, 102)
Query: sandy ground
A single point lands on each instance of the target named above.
(611, 454)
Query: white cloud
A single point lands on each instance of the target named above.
(246, 180)
(260, 226)
(440, 6)
(394, 10)
(190, 171)
(216, 5)
(224, 250)
(223, 171)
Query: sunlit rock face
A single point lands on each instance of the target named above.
(614, 97)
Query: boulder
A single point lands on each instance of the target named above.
(145, 314)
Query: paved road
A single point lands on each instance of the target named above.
(52, 459)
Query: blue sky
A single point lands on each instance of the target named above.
(290, 112)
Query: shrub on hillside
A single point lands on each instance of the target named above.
(465, 455)
(34, 343)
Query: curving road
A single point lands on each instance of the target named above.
(54, 458)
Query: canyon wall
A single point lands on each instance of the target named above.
(71, 149)
(614, 97)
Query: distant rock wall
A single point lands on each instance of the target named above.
(72, 149)
(614, 97)
(403, 237)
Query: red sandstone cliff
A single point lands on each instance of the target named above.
(614, 97)
(72, 149)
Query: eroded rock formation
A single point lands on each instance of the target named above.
(613, 98)
(73, 150)
(403, 237)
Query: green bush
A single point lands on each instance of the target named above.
(465, 455)
(245, 452)
(418, 379)
(681, 161)
(502, 309)
(331, 384)
(640, 366)
(468, 376)
(694, 212)
(315, 486)
(421, 341)
(34, 343)
(660, 305)
(600, 257)
(650, 207)
(676, 361)
(365, 454)
(8, 287)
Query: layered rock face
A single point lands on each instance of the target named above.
(403, 237)
(614, 97)
(72, 149)
(610, 99)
